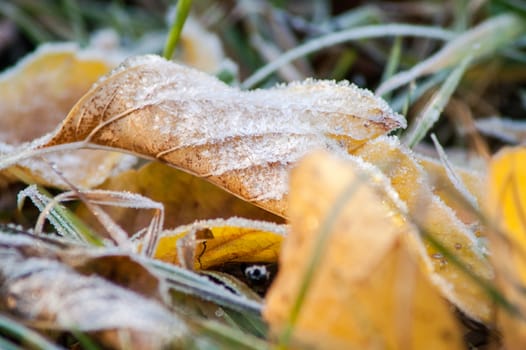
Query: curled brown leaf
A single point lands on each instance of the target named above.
(244, 142)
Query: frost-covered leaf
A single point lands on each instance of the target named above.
(212, 243)
(36, 95)
(37, 286)
(440, 222)
(369, 288)
(186, 198)
(244, 142)
(472, 179)
(506, 208)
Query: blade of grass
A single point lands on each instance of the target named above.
(414, 92)
(365, 32)
(32, 29)
(230, 337)
(392, 62)
(181, 12)
(452, 174)
(85, 341)
(189, 282)
(7, 345)
(29, 338)
(65, 222)
(73, 10)
(478, 42)
(431, 113)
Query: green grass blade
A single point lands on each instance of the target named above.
(431, 113)
(29, 338)
(183, 8)
(365, 32)
(31, 28)
(231, 337)
(393, 61)
(74, 12)
(482, 40)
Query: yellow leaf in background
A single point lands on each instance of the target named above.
(186, 198)
(224, 241)
(36, 95)
(369, 289)
(506, 208)
(200, 48)
(439, 221)
(442, 187)
(245, 142)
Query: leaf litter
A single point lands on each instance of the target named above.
(247, 143)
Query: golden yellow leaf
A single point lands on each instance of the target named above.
(242, 141)
(186, 198)
(442, 187)
(36, 95)
(217, 242)
(439, 221)
(369, 289)
(506, 207)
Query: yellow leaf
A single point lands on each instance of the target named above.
(442, 187)
(369, 289)
(506, 207)
(439, 221)
(222, 241)
(242, 141)
(36, 95)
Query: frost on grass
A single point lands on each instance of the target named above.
(243, 141)
(507, 130)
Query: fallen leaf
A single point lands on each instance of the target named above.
(438, 221)
(37, 287)
(35, 96)
(443, 187)
(244, 142)
(506, 210)
(369, 289)
(186, 198)
(218, 242)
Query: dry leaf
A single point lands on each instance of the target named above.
(36, 95)
(36, 286)
(506, 209)
(186, 198)
(244, 142)
(369, 290)
(439, 221)
(216, 242)
(443, 187)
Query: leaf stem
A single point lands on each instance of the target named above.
(181, 13)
